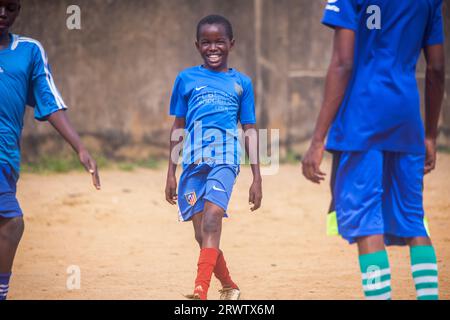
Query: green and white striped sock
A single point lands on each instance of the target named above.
(376, 275)
(425, 272)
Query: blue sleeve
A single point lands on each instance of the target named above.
(434, 33)
(44, 96)
(247, 108)
(341, 13)
(178, 103)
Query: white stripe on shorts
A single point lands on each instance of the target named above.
(424, 266)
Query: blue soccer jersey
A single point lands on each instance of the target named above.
(212, 103)
(25, 79)
(381, 108)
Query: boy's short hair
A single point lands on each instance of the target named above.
(216, 19)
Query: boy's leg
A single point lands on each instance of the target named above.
(205, 262)
(374, 265)
(212, 225)
(370, 244)
(197, 223)
(404, 217)
(211, 231)
(221, 270)
(424, 268)
(11, 231)
(219, 186)
(358, 191)
(223, 274)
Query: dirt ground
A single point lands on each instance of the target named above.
(128, 243)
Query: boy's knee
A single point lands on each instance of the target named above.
(419, 241)
(12, 230)
(211, 223)
(210, 227)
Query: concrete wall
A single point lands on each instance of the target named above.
(116, 74)
(445, 123)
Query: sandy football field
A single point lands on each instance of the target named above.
(128, 244)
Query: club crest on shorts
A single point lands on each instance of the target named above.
(191, 198)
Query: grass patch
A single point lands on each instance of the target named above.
(64, 164)
(443, 149)
(49, 164)
(126, 166)
(291, 158)
(150, 163)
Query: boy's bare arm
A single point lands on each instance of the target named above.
(434, 95)
(252, 150)
(337, 79)
(60, 122)
(171, 183)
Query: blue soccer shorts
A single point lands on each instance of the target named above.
(9, 206)
(205, 182)
(379, 193)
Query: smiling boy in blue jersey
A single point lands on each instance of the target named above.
(25, 79)
(208, 101)
(372, 111)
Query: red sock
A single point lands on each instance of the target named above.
(206, 264)
(221, 272)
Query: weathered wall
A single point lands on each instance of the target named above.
(445, 123)
(116, 74)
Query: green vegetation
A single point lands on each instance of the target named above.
(443, 149)
(291, 158)
(50, 164)
(64, 164)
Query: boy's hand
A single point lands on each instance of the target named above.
(91, 166)
(430, 160)
(311, 163)
(171, 189)
(255, 195)
(61, 123)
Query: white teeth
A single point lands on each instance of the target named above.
(214, 58)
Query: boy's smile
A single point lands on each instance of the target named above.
(9, 10)
(214, 46)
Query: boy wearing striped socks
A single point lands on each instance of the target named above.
(381, 150)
